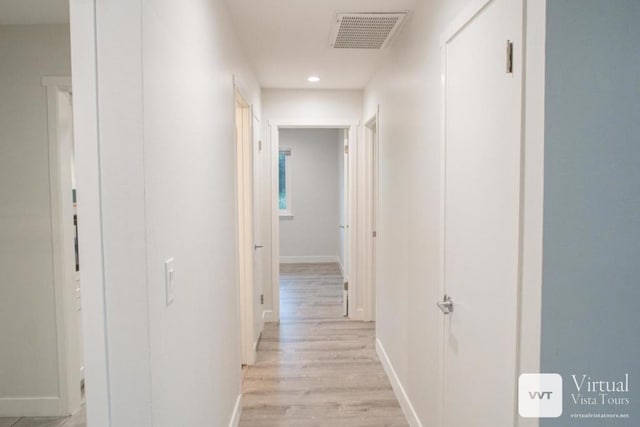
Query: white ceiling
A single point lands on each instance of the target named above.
(288, 40)
(29, 12)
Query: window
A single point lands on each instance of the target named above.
(284, 184)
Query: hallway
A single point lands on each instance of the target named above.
(316, 368)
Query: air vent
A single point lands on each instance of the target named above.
(365, 30)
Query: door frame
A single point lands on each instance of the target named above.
(369, 177)
(244, 222)
(529, 292)
(62, 243)
(272, 314)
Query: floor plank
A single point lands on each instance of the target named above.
(316, 368)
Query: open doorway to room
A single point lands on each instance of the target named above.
(311, 216)
(312, 221)
(41, 374)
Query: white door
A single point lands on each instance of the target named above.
(481, 220)
(258, 258)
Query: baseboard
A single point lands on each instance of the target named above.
(341, 267)
(237, 410)
(319, 259)
(31, 407)
(268, 316)
(401, 395)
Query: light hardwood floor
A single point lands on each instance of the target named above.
(317, 368)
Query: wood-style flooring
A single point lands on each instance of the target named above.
(317, 368)
(77, 420)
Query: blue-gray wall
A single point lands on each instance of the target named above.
(591, 278)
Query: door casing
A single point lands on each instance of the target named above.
(272, 311)
(244, 140)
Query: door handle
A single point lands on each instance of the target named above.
(256, 247)
(447, 305)
(342, 226)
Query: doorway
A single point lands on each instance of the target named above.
(482, 145)
(287, 216)
(66, 251)
(370, 157)
(248, 227)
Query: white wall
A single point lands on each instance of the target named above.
(166, 174)
(28, 353)
(319, 106)
(408, 91)
(313, 231)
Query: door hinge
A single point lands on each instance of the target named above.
(509, 57)
(260, 145)
(261, 299)
(346, 149)
(375, 234)
(346, 286)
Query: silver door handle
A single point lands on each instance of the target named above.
(447, 305)
(256, 247)
(342, 226)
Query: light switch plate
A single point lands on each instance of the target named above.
(169, 279)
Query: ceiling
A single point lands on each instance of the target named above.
(30, 12)
(288, 41)
(285, 40)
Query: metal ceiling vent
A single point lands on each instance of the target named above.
(365, 30)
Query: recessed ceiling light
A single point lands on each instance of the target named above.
(314, 79)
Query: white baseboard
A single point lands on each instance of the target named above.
(401, 395)
(341, 268)
(31, 407)
(320, 259)
(268, 316)
(237, 410)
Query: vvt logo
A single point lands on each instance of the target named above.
(540, 395)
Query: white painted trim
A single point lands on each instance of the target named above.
(530, 321)
(82, 17)
(315, 259)
(341, 267)
(274, 312)
(245, 223)
(398, 389)
(275, 126)
(268, 316)
(62, 243)
(30, 406)
(355, 136)
(365, 240)
(237, 411)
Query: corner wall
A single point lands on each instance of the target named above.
(165, 174)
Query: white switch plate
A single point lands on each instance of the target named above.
(169, 278)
